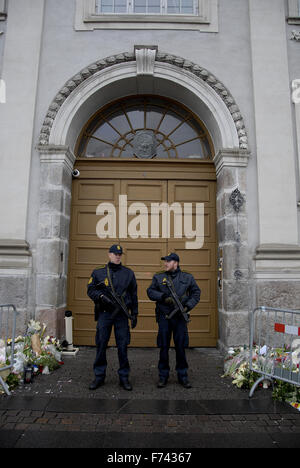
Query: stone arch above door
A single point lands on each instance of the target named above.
(165, 66)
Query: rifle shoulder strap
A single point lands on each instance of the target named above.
(172, 285)
(109, 279)
(174, 290)
(113, 289)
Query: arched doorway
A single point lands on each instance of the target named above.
(114, 159)
(199, 92)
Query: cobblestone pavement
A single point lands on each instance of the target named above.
(73, 378)
(211, 414)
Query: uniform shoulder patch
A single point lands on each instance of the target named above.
(90, 280)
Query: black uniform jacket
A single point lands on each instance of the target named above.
(185, 286)
(124, 283)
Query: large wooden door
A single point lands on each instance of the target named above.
(147, 182)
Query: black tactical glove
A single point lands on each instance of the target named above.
(169, 301)
(134, 322)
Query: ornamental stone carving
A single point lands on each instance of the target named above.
(179, 62)
(145, 60)
(295, 36)
(144, 144)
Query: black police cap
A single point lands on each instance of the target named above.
(116, 249)
(171, 256)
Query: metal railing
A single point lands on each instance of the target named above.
(275, 345)
(8, 319)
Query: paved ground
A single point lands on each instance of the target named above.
(211, 414)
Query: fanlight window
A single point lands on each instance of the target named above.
(144, 127)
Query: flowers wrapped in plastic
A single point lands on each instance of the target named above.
(32, 349)
(3, 361)
(276, 362)
(237, 367)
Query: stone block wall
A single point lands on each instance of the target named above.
(232, 228)
(52, 246)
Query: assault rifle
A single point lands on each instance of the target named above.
(178, 305)
(113, 301)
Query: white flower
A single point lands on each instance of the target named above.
(20, 362)
(46, 371)
(33, 327)
(53, 350)
(2, 355)
(296, 357)
(296, 344)
(239, 380)
(19, 339)
(46, 340)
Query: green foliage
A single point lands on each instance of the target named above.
(284, 391)
(47, 361)
(13, 380)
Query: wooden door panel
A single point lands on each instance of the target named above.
(145, 191)
(192, 192)
(143, 256)
(88, 254)
(94, 191)
(185, 222)
(199, 260)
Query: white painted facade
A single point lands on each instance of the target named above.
(249, 49)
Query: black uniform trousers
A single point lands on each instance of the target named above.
(177, 327)
(122, 336)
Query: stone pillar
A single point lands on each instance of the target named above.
(296, 101)
(232, 226)
(19, 71)
(278, 223)
(52, 245)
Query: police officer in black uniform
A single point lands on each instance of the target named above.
(116, 278)
(189, 293)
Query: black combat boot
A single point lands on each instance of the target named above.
(96, 384)
(126, 384)
(185, 382)
(162, 382)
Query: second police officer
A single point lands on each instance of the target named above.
(113, 289)
(187, 291)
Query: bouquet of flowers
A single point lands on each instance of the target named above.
(33, 349)
(274, 361)
(237, 366)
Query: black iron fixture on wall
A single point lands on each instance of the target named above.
(237, 201)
